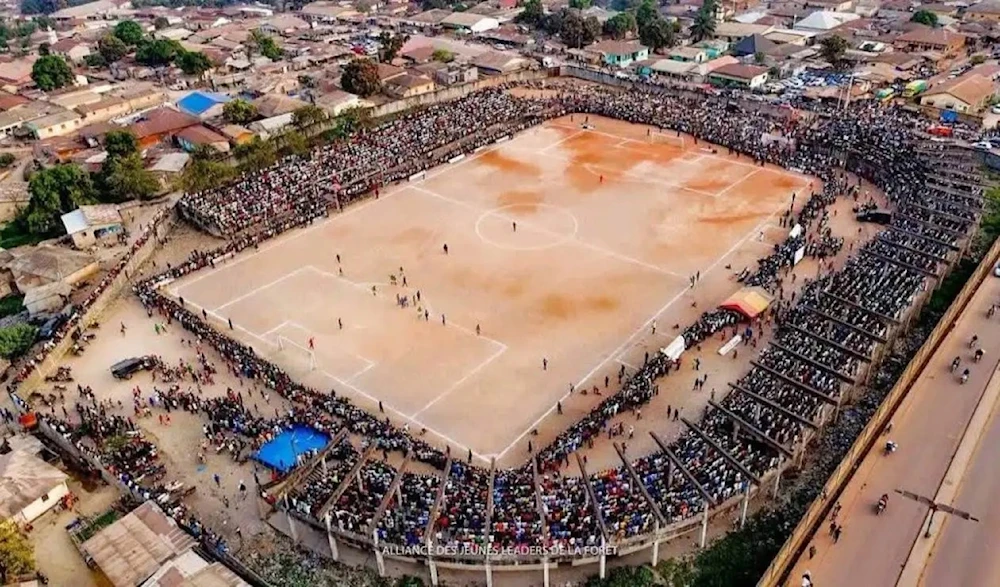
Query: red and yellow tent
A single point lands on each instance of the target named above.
(749, 301)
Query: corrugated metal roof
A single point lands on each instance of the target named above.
(23, 479)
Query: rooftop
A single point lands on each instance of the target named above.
(198, 103)
(23, 479)
(740, 71)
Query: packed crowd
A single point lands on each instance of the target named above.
(821, 341)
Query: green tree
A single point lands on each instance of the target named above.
(266, 45)
(620, 25)
(120, 143)
(130, 32)
(51, 72)
(204, 171)
(39, 6)
(704, 21)
(161, 23)
(239, 111)
(657, 33)
(112, 48)
(579, 4)
(533, 12)
(306, 116)
(95, 60)
(647, 11)
(157, 53)
(360, 77)
(55, 191)
(294, 143)
(44, 49)
(389, 45)
(443, 55)
(17, 556)
(832, 50)
(193, 62)
(6, 160)
(577, 31)
(977, 59)
(925, 17)
(255, 155)
(127, 179)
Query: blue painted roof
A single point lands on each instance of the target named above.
(198, 102)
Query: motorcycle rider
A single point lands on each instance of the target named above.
(955, 363)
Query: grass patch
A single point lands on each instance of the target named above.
(12, 235)
(10, 305)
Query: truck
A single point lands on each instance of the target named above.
(914, 88)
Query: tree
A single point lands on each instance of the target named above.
(55, 191)
(44, 49)
(389, 45)
(361, 77)
(17, 557)
(120, 143)
(161, 23)
(925, 17)
(977, 59)
(95, 60)
(266, 45)
(532, 14)
(204, 172)
(255, 155)
(294, 144)
(239, 111)
(832, 49)
(193, 62)
(306, 116)
(6, 160)
(759, 57)
(578, 32)
(704, 22)
(647, 12)
(39, 6)
(112, 48)
(157, 53)
(620, 25)
(443, 55)
(130, 32)
(579, 4)
(657, 34)
(126, 178)
(51, 72)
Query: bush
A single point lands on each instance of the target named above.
(6, 160)
(17, 339)
(10, 305)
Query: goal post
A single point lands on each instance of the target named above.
(286, 344)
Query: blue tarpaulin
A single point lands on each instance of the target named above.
(280, 454)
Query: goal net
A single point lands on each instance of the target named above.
(297, 353)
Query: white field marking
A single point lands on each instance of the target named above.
(703, 142)
(351, 209)
(259, 289)
(368, 362)
(275, 329)
(610, 357)
(636, 177)
(462, 380)
(618, 351)
(739, 181)
(271, 346)
(449, 323)
(543, 230)
(561, 141)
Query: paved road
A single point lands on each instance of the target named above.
(928, 427)
(966, 554)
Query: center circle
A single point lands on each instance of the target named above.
(527, 227)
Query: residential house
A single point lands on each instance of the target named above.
(924, 38)
(199, 135)
(409, 85)
(285, 25)
(270, 105)
(56, 124)
(160, 123)
(29, 487)
(469, 23)
(620, 53)
(968, 94)
(12, 121)
(688, 54)
(739, 75)
(753, 45)
(73, 50)
(496, 63)
(337, 101)
(451, 75)
(99, 10)
(88, 225)
(823, 21)
(734, 31)
(987, 10)
(831, 5)
(16, 74)
(204, 105)
(325, 12)
(169, 166)
(237, 135)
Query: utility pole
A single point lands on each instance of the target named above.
(935, 507)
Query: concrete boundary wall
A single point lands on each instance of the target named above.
(776, 573)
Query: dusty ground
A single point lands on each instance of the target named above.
(610, 224)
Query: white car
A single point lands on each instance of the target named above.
(995, 109)
(982, 145)
(996, 270)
